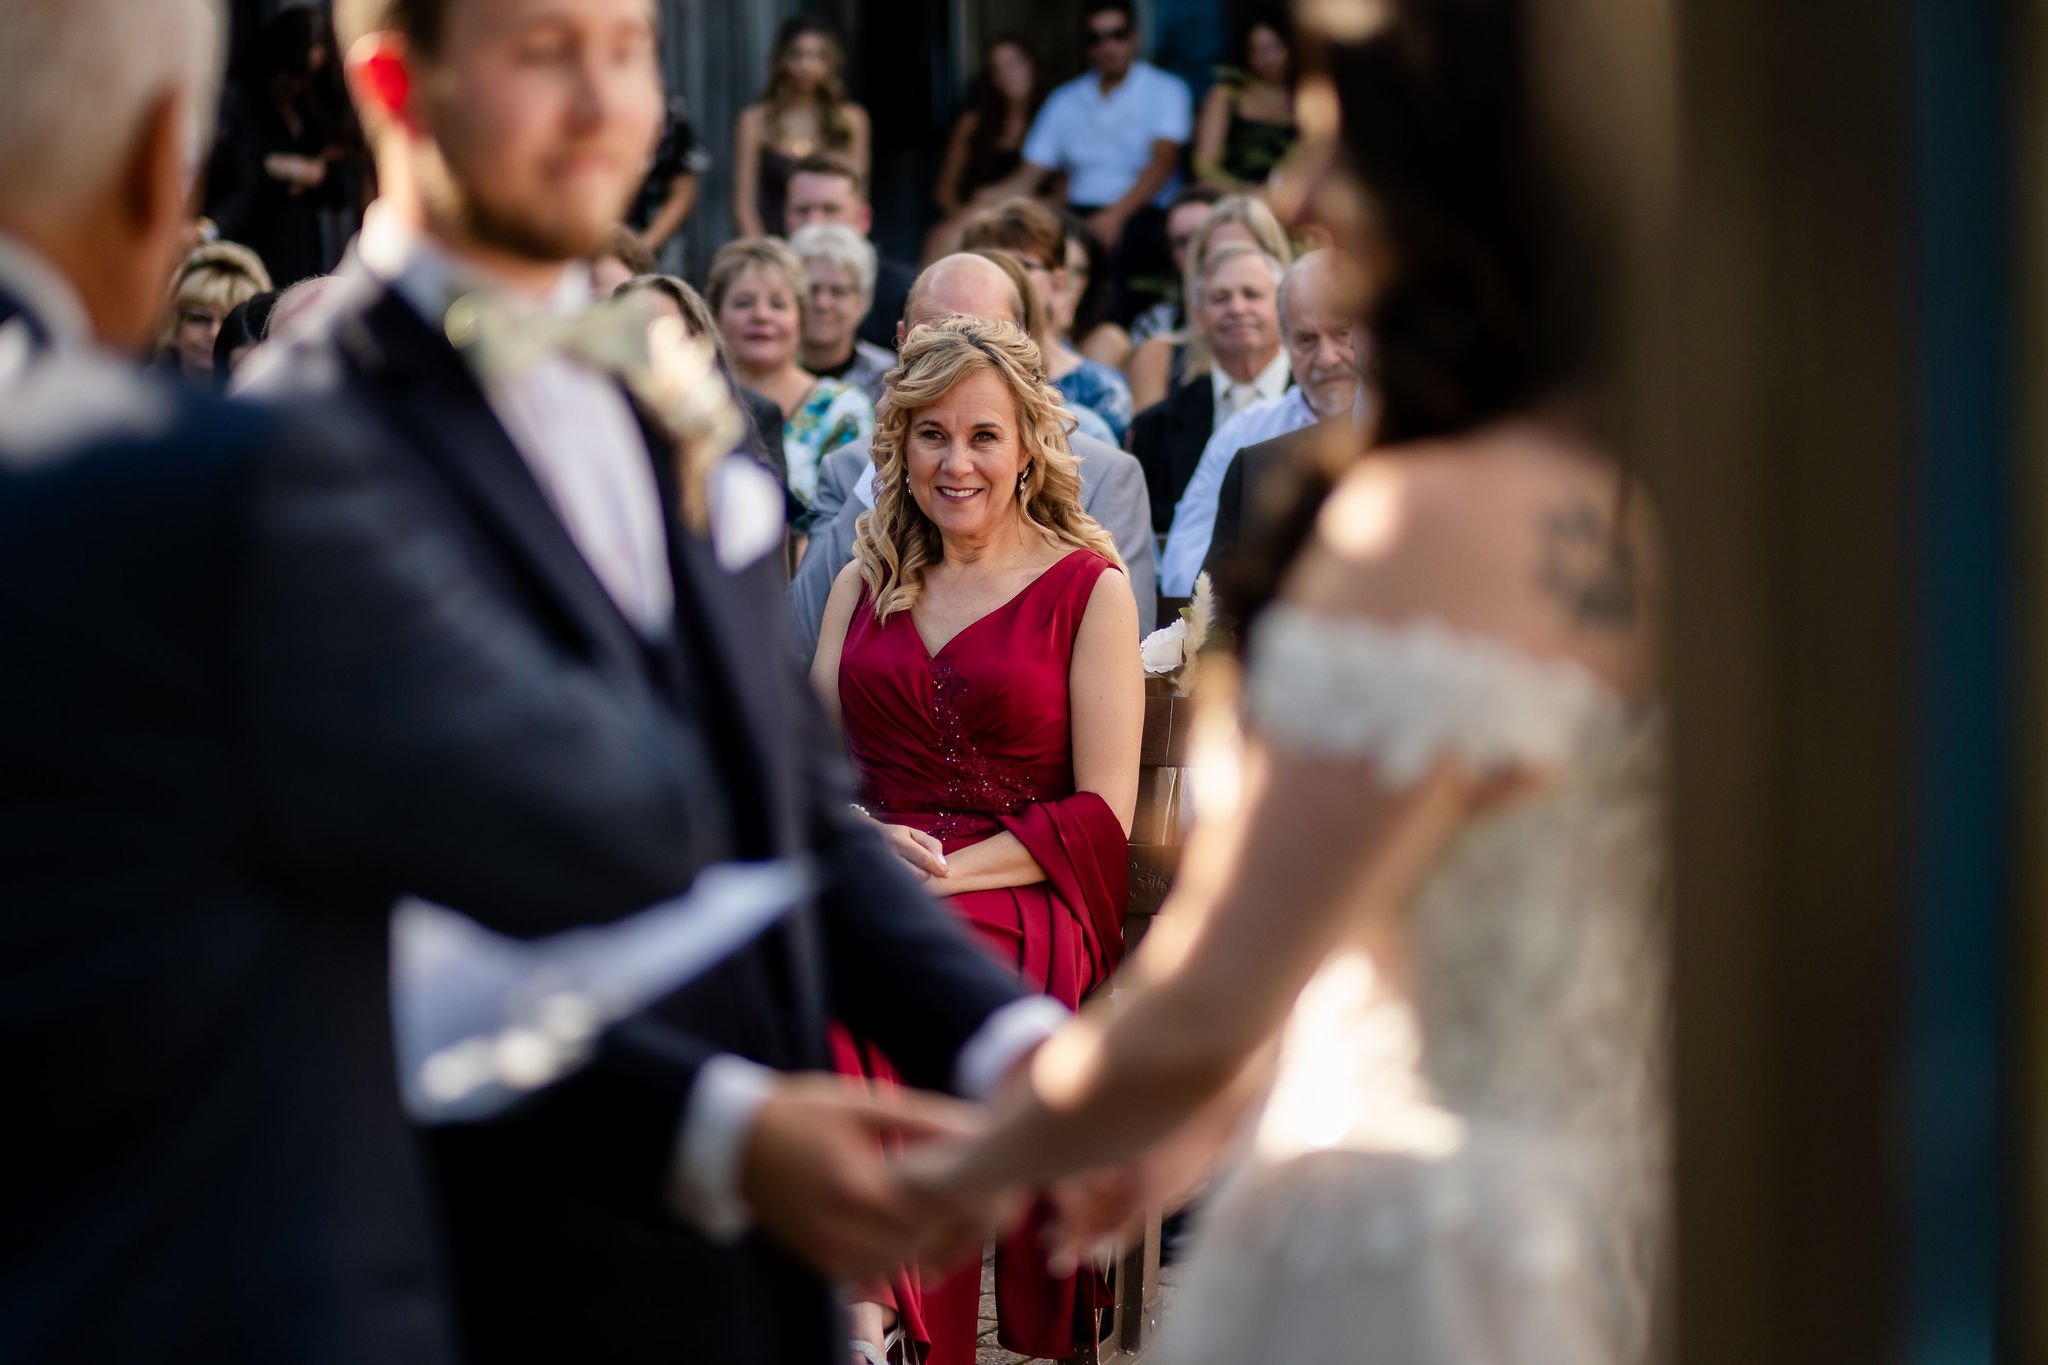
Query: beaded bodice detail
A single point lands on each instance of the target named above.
(1537, 940)
(1468, 1168)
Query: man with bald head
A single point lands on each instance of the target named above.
(1112, 483)
(1317, 317)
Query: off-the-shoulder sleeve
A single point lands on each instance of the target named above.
(1406, 696)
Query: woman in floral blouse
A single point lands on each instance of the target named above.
(757, 293)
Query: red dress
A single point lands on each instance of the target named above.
(965, 744)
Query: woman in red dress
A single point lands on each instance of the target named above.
(981, 652)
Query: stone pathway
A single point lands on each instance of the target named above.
(989, 1353)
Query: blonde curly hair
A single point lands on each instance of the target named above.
(896, 542)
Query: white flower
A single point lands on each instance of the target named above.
(1166, 649)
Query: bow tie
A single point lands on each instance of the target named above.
(503, 340)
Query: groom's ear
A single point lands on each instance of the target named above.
(380, 78)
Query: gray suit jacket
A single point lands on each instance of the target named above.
(1112, 492)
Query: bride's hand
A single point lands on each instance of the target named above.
(925, 854)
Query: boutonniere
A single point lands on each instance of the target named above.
(1175, 651)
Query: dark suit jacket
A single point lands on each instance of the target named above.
(1168, 438)
(1264, 510)
(249, 696)
(561, 1243)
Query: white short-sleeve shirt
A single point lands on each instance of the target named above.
(1103, 141)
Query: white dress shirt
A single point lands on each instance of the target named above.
(1194, 516)
(1233, 396)
(1104, 141)
(578, 435)
(47, 295)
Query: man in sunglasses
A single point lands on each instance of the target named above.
(1117, 133)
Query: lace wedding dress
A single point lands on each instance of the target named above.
(1473, 1175)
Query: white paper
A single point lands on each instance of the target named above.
(484, 1020)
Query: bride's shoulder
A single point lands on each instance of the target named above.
(1525, 531)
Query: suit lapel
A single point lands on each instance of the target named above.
(437, 401)
(1193, 416)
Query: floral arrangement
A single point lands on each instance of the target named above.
(1174, 651)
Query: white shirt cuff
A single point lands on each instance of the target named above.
(1002, 1039)
(704, 1180)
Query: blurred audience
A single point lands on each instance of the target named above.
(824, 188)
(804, 111)
(1247, 123)
(1116, 133)
(282, 155)
(1320, 299)
(987, 144)
(625, 257)
(1236, 308)
(1166, 359)
(209, 285)
(241, 332)
(762, 441)
(1035, 238)
(669, 193)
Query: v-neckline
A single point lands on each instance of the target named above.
(932, 656)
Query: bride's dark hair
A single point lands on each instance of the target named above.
(1490, 303)
(1491, 294)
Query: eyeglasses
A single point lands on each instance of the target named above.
(1098, 36)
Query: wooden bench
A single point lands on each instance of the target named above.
(1155, 856)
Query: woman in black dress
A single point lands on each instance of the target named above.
(988, 139)
(804, 110)
(1247, 123)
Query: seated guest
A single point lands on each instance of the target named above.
(839, 267)
(1236, 306)
(1165, 359)
(1317, 308)
(1033, 236)
(1112, 486)
(825, 188)
(241, 332)
(209, 285)
(979, 653)
(625, 257)
(1184, 219)
(762, 442)
(1117, 133)
(757, 294)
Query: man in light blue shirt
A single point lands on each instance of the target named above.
(1117, 134)
(1316, 326)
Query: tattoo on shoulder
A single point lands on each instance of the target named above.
(1589, 569)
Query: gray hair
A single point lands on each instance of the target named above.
(1230, 251)
(841, 246)
(78, 76)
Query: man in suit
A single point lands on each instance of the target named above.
(1235, 309)
(1112, 485)
(252, 692)
(1318, 320)
(507, 135)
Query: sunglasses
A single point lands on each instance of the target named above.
(1108, 35)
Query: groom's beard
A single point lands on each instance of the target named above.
(464, 214)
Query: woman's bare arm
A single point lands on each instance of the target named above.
(746, 172)
(1211, 133)
(1323, 851)
(839, 608)
(860, 153)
